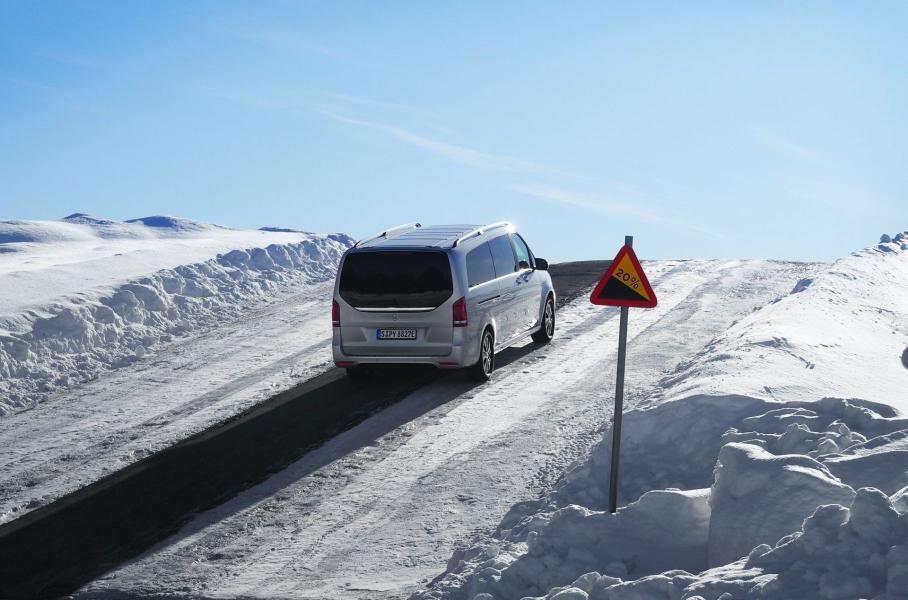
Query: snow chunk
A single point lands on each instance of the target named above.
(759, 498)
(884, 470)
(842, 552)
(664, 529)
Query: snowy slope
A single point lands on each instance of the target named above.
(84, 295)
(743, 478)
(377, 511)
(840, 333)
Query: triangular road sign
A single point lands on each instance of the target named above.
(625, 283)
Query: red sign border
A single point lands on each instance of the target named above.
(624, 251)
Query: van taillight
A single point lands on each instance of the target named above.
(460, 313)
(335, 314)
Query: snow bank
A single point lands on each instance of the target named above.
(139, 290)
(755, 493)
(734, 488)
(842, 333)
(664, 529)
(841, 552)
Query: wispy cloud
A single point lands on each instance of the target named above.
(847, 199)
(634, 211)
(56, 96)
(277, 38)
(636, 208)
(256, 99)
(288, 40)
(302, 102)
(780, 144)
(81, 60)
(296, 100)
(351, 99)
(463, 155)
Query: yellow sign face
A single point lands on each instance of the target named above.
(624, 283)
(627, 274)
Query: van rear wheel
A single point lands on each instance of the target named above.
(547, 327)
(482, 370)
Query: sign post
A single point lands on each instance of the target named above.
(624, 284)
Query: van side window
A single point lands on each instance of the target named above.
(479, 265)
(503, 255)
(523, 252)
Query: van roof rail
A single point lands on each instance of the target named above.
(389, 233)
(479, 231)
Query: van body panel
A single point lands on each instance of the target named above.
(434, 332)
(529, 292)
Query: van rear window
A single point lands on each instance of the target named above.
(396, 279)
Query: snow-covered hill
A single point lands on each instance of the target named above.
(773, 464)
(84, 295)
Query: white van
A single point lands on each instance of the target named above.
(447, 295)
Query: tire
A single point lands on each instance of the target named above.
(547, 327)
(482, 370)
(360, 372)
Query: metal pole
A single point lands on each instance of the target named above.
(619, 403)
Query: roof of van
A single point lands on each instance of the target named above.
(440, 236)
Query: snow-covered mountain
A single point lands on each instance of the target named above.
(84, 294)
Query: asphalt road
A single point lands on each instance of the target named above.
(54, 550)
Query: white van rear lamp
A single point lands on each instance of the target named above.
(460, 312)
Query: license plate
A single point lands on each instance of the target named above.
(395, 334)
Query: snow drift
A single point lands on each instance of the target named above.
(87, 294)
(841, 333)
(734, 489)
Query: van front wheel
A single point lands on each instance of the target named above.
(547, 327)
(482, 370)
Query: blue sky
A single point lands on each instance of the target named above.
(766, 129)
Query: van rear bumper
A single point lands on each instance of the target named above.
(453, 360)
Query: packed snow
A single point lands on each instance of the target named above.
(744, 476)
(85, 295)
(377, 511)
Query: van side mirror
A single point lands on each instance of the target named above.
(542, 264)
